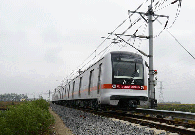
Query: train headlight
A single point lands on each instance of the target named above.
(117, 86)
(114, 86)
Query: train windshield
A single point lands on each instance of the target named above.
(127, 69)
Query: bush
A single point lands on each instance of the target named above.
(28, 118)
(41, 104)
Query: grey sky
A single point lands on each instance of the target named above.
(43, 41)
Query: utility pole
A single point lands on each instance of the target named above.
(152, 101)
(151, 81)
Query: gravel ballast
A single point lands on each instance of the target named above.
(84, 123)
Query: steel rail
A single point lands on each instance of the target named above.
(140, 116)
(176, 114)
(179, 127)
(158, 123)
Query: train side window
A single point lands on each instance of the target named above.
(68, 90)
(62, 92)
(90, 81)
(59, 93)
(73, 89)
(80, 85)
(65, 91)
(99, 80)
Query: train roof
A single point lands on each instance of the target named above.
(134, 55)
(126, 52)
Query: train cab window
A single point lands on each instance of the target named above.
(73, 89)
(127, 69)
(80, 85)
(90, 81)
(99, 80)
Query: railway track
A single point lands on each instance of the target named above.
(159, 119)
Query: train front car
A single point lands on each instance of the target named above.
(129, 80)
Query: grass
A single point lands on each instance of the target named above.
(177, 107)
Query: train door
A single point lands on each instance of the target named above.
(99, 79)
(65, 91)
(91, 78)
(73, 89)
(80, 85)
(59, 93)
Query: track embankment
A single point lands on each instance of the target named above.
(83, 122)
(59, 128)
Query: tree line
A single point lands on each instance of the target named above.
(13, 97)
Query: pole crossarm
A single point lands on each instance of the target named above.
(132, 36)
(150, 12)
(132, 46)
(149, 17)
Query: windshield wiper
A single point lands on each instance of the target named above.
(135, 71)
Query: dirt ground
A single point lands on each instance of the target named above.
(59, 127)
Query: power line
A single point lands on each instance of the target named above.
(108, 37)
(178, 41)
(132, 46)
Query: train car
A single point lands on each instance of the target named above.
(118, 79)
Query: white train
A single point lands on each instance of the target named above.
(118, 79)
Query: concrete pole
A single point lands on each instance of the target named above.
(151, 93)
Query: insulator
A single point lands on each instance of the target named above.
(115, 42)
(166, 24)
(174, 2)
(141, 36)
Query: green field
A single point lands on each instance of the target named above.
(177, 107)
(5, 105)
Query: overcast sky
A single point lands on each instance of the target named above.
(43, 41)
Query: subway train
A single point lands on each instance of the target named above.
(119, 79)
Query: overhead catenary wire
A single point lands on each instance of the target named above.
(158, 4)
(143, 31)
(106, 49)
(132, 46)
(119, 25)
(161, 3)
(108, 37)
(180, 44)
(178, 41)
(132, 24)
(137, 20)
(177, 12)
